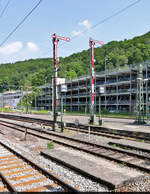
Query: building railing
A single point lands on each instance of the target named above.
(124, 102)
(110, 91)
(111, 102)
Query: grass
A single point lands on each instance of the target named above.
(123, 164)
(118, 114)
(75, 113)
(115, 146)
(50, 145)
(114, 131)
(40, 111)
(125, 115)
(6, 110)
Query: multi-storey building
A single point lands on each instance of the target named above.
(10, 98)
(120, 91)
(45, 97)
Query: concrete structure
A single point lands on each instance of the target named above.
(45, 98)
(10, 98)
(120, 91)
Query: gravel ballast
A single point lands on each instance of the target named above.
(74, 179)
(84, 184)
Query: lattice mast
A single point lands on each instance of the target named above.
(139, 96)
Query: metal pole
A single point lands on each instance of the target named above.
(2, 102)
(62, 122)
(99, 107)
(139, 97)
(91, 42)
(52, 96)
(147, 105)
(26, 100)
(55, 96)
(35, 101)
(105, 83)
(55, 40)
(100, 119)
(22, 100)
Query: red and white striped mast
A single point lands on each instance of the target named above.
(92, 44)
(55, 40)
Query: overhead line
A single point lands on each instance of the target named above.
(106, 19)
(5, 8)
(102, 21)
(116, 13)
(20, 23)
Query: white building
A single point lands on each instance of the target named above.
(10, 98)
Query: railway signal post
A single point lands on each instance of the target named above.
(63, 90)
(92, 44)
(55, 40)
(101, 91)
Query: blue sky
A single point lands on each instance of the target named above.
(67, 18)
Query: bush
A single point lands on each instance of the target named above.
(50, 145)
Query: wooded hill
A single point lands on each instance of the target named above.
(35, 72)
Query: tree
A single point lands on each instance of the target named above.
(71, 74)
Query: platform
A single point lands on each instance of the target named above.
(110, 174)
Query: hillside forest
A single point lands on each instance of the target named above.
(36, 72)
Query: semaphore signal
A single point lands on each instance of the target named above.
(55, 40)
(92, 44)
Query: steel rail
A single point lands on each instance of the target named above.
(109, 157)
(94, 129)
(44, 172)
(10, 187)
(71, 139)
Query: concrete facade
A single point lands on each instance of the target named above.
(119, 95)
(10, 98)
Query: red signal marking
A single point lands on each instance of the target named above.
(99, 42)
(67, 39)
(63, 38)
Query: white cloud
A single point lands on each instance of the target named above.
(76, 33)
(86, 24)
(32, 46)
(11, 48)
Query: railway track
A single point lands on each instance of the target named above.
(95, 130)
(124, 157)
(19, 174)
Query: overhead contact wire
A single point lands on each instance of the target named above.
(5, 8)
(20, 23)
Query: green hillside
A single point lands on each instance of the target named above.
(36, 72)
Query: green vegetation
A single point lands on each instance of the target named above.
(114, 131)
(6, 110)
(124, 115)
(36, 72)
(115, 146)
(50, 145)
(123, 164)
(39, 111)
(29, 100)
